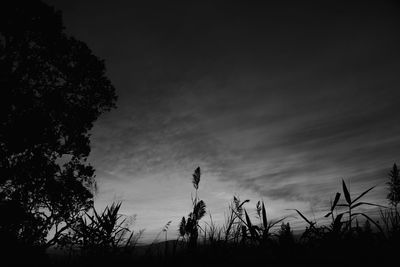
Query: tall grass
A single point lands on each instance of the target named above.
(189, 227)
(103, 233)
(338, 227)
(243, 238)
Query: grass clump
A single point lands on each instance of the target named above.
(189, 227)
(351, 237)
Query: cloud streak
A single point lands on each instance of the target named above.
(271, 101)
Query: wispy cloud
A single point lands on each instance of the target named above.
(269, 103)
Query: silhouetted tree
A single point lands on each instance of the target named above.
(52, 90)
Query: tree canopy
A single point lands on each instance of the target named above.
(52, 90)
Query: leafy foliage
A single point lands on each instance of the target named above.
(53, 89)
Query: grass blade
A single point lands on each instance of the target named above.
(250, 226)
(247, 200)
(337, 223)
(346, 193)
(272, 224)
(337, 197)
(304, 218)
(248, 222)
(264, 216)
(366, 203)
(362, 194)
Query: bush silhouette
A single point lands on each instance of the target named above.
(101, 234)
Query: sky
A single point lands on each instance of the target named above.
(276, 101)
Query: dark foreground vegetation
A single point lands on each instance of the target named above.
(351, 238)
(52, 90)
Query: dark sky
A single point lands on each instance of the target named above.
(278, 101)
